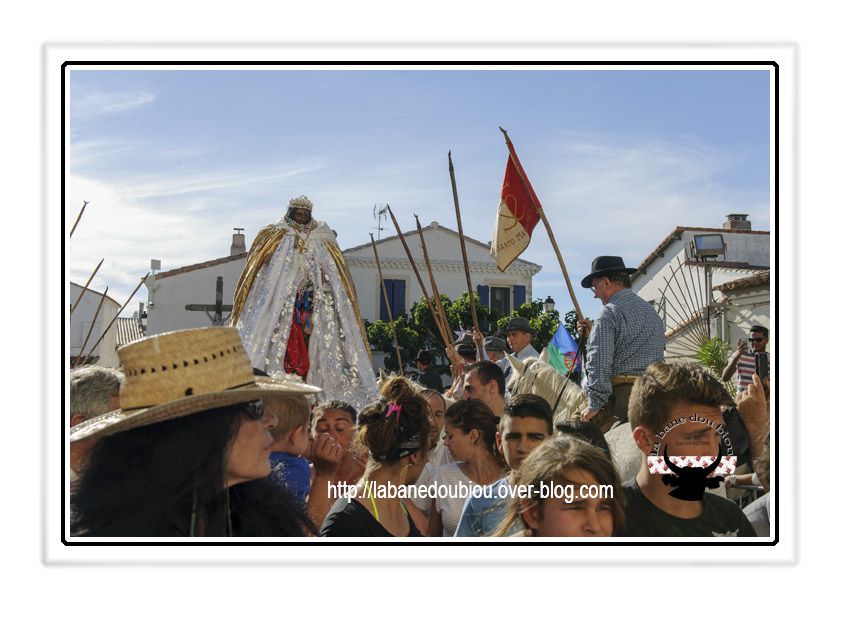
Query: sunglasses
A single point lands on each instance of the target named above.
(253, 409)
(755, 339)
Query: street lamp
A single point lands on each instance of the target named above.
(549, 304)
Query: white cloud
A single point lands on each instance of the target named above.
(90, 103)
(128, 235)
(602, 196)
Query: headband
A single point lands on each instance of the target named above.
(408, 441)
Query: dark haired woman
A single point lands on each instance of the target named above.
(188, 453)
(470, 434)
(396, 434)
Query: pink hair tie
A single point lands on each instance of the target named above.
(394, 408)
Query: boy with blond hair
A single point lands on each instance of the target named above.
(291, 441)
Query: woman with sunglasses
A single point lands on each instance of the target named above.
(188, 452)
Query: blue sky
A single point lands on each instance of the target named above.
(172, 160)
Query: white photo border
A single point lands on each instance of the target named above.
(781, 60)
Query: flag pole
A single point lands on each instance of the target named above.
(446, 336)
(85, 288)
(543, 218)
(435, 295)
(387, 306)
(93, 324)
(78, 218)
(114, 319)
(479, 352)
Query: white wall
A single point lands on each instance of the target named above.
(754, 249)
(80, 324)
(747, 307)
(169, 295)
(447, 265)
(742, 307)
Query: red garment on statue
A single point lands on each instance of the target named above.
(297, 359)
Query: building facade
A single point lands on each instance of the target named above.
(504, 291)
(708, 282)
(82, 336)
(169, 292)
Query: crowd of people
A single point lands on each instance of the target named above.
(195, 437)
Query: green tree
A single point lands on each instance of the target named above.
(381, 338)
(714, 354)
(571, 321)
(459, 314)
(543, 323)
(424, 324)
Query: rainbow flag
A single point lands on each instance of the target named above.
(562, 349)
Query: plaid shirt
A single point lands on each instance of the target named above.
(627, 336)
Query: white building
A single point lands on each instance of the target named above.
(708, 282)
(503, 291)
(81, 334)
(169, 292)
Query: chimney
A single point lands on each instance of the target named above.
(238, 243)
(737, 221)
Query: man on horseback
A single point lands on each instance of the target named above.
(626, 337)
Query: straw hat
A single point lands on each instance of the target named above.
(180, 373)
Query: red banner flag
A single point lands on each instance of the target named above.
(517, 214)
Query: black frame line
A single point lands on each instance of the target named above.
(770, 63)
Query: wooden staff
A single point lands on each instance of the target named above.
(539, 209)
(78, 218)
(435, 295)
(85, 288)
(93, 324)
(113, 320)
(387, 306)
(479, 351)
(446, 336)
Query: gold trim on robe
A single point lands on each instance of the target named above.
(262, 249)
(350, 288)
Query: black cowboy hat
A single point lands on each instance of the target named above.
(603, 265)
(424, 356)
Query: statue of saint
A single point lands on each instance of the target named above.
(296, 309)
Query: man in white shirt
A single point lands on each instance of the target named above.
(519, 333)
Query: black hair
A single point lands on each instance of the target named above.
(585, 431)
(760, 329)
(333, 405)
(622, 278)
(467, 415)
(529, 405)
(388, 432)
(487, 371)
(168, 479)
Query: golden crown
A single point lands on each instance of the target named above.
(301, 202)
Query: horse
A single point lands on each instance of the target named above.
(538, 377)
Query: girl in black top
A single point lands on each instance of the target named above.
(396, 434)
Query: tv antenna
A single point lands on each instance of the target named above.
(378, 217)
